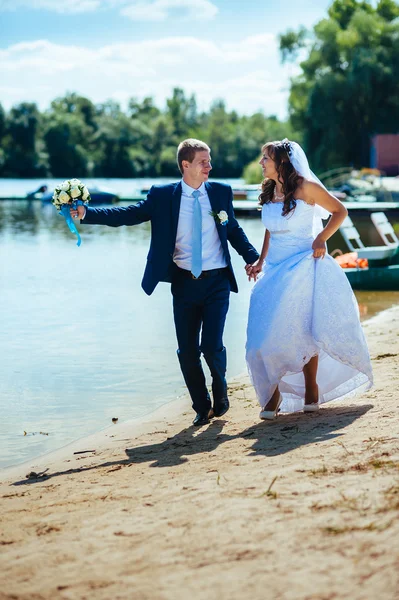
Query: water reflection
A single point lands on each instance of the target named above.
(371, 303)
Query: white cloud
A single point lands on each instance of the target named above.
(62, 6)
(159, 10)
(40, 71)
(137, 10)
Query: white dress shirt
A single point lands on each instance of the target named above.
(212, 252)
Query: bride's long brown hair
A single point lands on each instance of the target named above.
(287, 176)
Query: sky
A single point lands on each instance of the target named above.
(118, 49)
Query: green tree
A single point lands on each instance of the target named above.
(76, 105)
(349, 87)
(115, 140)
(68, 134)
(2, 122)
(143, 111)
(75, 138)
(22, 157)
(65, 141)
(163, 152)
(2, 134)
(260, 129)
(182, 113)
(219, 135)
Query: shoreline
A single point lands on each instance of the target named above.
(172, 410)
(87, 438)
(302, 508)
(99, 438)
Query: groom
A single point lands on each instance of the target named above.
(191, 222)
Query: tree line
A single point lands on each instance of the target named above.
(76, 137)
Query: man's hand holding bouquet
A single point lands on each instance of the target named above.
(68, 197)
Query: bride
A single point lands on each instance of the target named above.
(305, 345)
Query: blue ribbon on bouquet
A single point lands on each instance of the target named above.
(67, 216)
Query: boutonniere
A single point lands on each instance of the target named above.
(221, 217)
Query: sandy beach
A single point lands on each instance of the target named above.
(302, 508)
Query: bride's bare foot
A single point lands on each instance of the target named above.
(312, 394)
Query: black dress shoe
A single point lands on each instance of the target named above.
(221, 407)
(201, 419)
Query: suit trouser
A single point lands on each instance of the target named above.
(200, 307)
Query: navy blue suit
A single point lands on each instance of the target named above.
(197, 304)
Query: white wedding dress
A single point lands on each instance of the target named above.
(301, 306)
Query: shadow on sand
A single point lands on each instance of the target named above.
(269, 439)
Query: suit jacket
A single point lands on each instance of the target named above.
(162, 207)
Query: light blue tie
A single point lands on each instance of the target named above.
(196, 259)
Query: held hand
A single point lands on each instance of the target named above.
(319, 248)
(254, 270)
(78, 212)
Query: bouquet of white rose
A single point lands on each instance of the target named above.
(70, 193)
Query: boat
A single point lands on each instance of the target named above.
(37, 194)
(374, 278)
(241, 194)
(373, 268)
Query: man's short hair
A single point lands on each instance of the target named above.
(187, 150)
